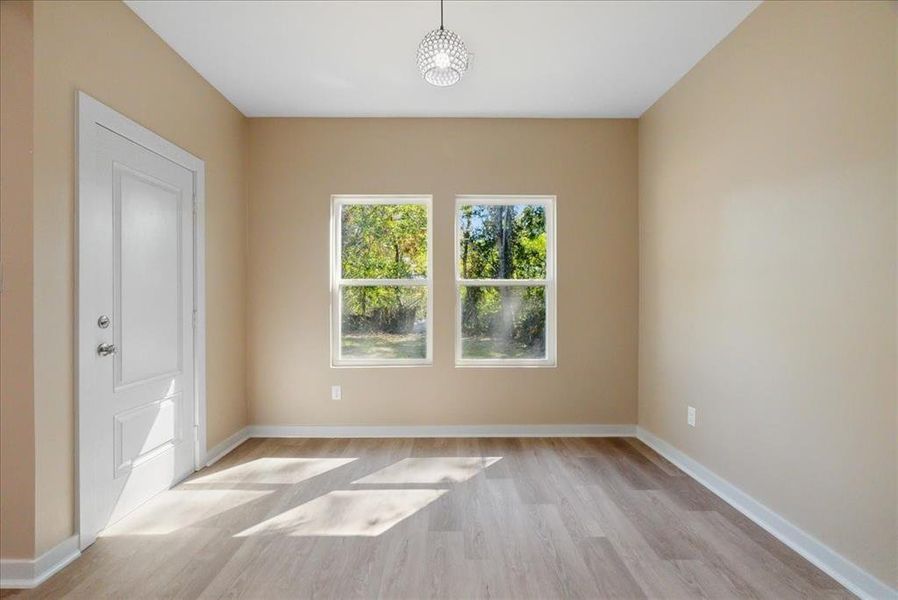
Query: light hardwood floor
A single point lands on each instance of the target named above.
(447, 518)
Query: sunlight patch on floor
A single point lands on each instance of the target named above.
(274, 470)
(441, 469)
(347, 513)
(179, 508)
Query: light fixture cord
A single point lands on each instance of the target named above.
(441, 14)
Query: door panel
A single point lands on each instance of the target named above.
(136, 249)
(144, 432)
(148, 258)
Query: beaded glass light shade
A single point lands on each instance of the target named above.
(442, 57)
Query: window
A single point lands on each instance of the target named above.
(382, 281)
(505, 281)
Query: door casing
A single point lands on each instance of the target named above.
(91, 112)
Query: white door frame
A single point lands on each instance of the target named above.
(90, 112)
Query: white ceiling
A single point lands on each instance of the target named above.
(357, 58)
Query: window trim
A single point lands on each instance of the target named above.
(548, 202)
(337, 282)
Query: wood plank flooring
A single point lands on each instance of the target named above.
(441, 518)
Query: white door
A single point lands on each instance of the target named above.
(136, 312)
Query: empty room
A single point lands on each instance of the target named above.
(453, 299)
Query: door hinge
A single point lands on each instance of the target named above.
(194, 319)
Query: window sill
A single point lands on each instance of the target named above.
(381, 364)
(505, 364)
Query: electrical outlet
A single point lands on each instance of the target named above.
(336, 392)
(690, 416)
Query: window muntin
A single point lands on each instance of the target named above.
(505, 281)
(382, 282)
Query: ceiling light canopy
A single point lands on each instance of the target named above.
(442, 56)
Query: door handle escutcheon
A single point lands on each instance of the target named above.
(106, 349)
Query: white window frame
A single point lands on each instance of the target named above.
(548, 203)
(338, 201)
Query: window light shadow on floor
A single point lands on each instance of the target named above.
(354, 512)
(176, 509)
(274, 470)
(443, 469)
(347, 513)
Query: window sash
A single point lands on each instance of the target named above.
(397, 200)
(338, 282)
(502, 282)
(383, 282)
(549, 282)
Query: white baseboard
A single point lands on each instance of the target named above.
(406, 431)
(27, 574)
(224, 447)
(854, 578)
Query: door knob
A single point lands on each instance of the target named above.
(106, 349)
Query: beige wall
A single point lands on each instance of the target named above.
(16, 367)
(103, 49)
(296, 164)
(768, 269)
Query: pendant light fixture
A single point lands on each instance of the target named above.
(442, 56)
